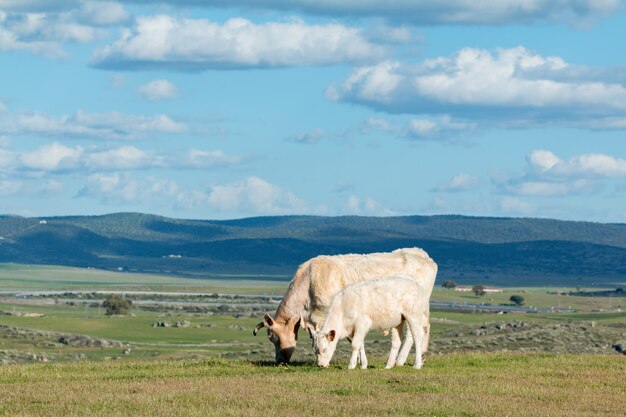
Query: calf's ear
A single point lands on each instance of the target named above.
(331, 335)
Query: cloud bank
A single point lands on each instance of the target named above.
(433, 12)
(165, 42)
(504, 88)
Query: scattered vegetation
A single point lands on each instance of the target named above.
(448, 284)
(518, 300)
(117, 305)
(479, 290)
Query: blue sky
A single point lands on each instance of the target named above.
(226, 109)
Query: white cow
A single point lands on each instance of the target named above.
(377, 304)
(318, 280)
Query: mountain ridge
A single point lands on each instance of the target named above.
(493, 250)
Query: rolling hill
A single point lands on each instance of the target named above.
(492, 251)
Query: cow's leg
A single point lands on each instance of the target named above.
(417, 330)
(362, 357)
(406, 348)
(426, 325)
(396, 341)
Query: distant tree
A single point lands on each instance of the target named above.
(517, 300)
(117, 305)
(448, 284)
(479, 290)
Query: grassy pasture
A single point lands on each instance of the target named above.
(216, 367)
(224, 334)
(539, 297)
(473, 384)
(14, 277)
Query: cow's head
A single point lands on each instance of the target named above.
(324, 345)
(284, 336)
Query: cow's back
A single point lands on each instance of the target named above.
(330, 274)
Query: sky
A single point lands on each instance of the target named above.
(222, 109)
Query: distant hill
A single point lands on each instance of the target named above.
(493, 251)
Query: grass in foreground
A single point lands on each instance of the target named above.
(449, 385)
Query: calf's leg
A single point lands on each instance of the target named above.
(406, 348)
(358, 349)
(417, 330)
(396, 341)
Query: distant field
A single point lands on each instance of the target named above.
(479, 364)
(472, 384)
(16, 277)
(228, 332)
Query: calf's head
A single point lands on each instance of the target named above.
(324, 345)
(284, 336)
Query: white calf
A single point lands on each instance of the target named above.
(379, 304)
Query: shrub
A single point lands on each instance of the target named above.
(117, 305)
(479, 290)
(448, 284)
(517, 300)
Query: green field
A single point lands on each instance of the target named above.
(14, 277)
(522, 364)
(452, 385)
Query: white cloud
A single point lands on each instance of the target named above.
(158, 90)
(52, 157)
(549, 189)
(206, 159)
(548, 175)
(543, 160)
(309, 138)
(113, 188)
(42, 28)
(7, 159)
(585, 165)
(58, 158)
(250, 196)
(5, 141)
(10, 187)
(165, 42)
(458, 183)
(434, 12)
(124, 158)
(366, 207)
(51, 187)
(510, 205)
(254, 195)
(112, 125)
(122, 189)
(507, 88)
(101, 13)
(441, 128)
(38, 5)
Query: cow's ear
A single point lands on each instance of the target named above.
(331, 335)
(269, 322)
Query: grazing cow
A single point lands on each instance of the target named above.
(376, 304)
(318, 280)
